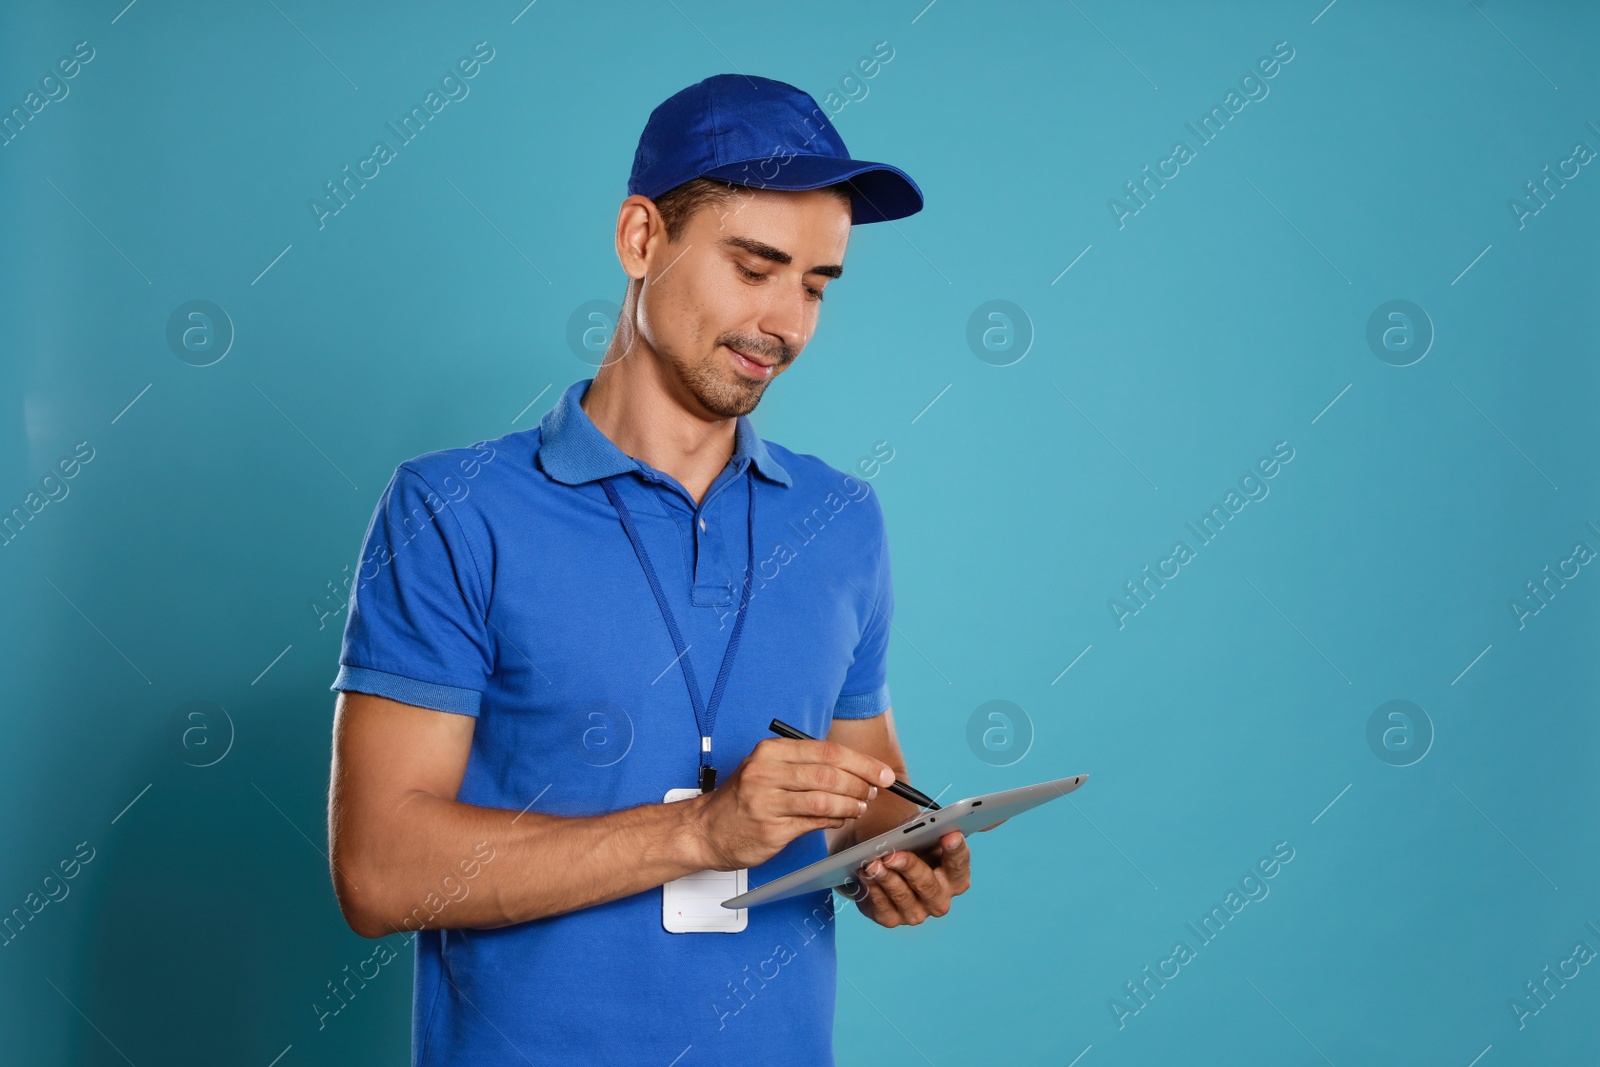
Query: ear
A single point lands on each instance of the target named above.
(640, 229)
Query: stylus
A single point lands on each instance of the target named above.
(899, 788)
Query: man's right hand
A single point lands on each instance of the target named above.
(783, 789)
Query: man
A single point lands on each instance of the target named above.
(545, 626)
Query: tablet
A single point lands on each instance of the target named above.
(918, 832)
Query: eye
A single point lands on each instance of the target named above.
(814, 293)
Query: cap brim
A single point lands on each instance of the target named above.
(882, 192)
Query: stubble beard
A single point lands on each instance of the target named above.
(727, 397)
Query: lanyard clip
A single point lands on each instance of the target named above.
(708, 773)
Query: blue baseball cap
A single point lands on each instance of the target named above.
(766, 134)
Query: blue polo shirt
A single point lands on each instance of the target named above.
(497, 581)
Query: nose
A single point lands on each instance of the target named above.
(787, 317)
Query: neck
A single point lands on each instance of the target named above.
(650, 416)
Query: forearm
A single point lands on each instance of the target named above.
(436, 863)
(884, 812)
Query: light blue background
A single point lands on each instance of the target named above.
(1227, 315)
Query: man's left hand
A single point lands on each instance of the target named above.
(902, 888)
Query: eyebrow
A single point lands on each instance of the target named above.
(778, 255)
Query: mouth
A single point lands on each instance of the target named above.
(753, 367)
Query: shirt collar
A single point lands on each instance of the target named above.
(572, 450)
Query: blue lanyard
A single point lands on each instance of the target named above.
(705, 715)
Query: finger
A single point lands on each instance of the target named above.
(930, 885)
(869, 770)
(817, 805)
(956, 862)
(880, 852)
(852, 890)
(828, 779)
(878, 906)
(901, 896)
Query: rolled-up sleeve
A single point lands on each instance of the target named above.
(417, 629)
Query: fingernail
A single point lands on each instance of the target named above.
(861, 806)
(872, 791)
(886, 777)
(959, 842)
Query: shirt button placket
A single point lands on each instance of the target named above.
(704, 581)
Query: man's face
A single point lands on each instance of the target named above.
(730, 305)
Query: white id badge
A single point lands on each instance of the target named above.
(693, 904)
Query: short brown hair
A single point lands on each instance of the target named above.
(679, 204)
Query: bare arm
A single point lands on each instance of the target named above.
(402, 847)
(399, 838)
(875, 737)
(898, 888)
